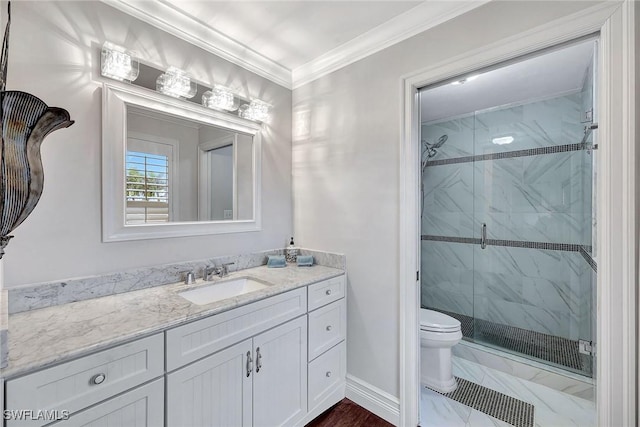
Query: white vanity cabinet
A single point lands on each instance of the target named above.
(214, 391)
(140, 407)
(75, 385)
(278, 361)
(250, 366)
(327, 353)
(280, 379)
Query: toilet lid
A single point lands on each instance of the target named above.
(431, 320)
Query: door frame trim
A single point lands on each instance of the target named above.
(616, 204)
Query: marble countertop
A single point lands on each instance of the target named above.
(43, 337)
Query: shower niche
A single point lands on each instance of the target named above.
(507, 219)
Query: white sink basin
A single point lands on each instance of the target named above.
(222, 290)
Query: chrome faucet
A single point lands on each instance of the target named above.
(208, 271)
(223, 270)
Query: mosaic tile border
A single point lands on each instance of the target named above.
(584, 251)
(557, 350)
(567, 247)
(510, 154)
(493, 403)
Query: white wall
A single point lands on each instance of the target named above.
(346, 169)
(54, 54)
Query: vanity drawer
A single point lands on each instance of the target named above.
(82, 382)
(327, 327)
(322, 293)
(201, 338)
(327, 377)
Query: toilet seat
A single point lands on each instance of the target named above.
(434, 321)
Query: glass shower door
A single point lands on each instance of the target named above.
(508, 171)
(532, 225)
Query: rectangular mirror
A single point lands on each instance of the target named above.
(172, 168)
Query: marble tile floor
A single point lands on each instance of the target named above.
(552, 408)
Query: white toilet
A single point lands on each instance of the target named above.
(438, 333)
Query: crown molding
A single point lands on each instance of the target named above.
(414, 21)
(165, 17)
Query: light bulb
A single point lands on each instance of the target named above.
(219, 98)
(118, 63)
(177, 83)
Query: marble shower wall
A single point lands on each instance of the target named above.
(539, 198)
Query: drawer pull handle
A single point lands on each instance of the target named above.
(328, 374)
(97, 379)
(249, 363)
(329, 328)
(328, 292)
(258, 360)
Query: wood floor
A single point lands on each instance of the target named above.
(348, 414)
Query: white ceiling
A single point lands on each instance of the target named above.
(539, 77)
(293, 42)
(292, 33)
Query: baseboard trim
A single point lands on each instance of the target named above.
(373, 399)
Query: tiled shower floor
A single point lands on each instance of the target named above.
(557, 350)
(552, 407)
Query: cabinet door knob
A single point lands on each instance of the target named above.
(328, 374)
(97, 379)
(328, 292)
(329, 328)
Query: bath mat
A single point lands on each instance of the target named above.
(493, 403)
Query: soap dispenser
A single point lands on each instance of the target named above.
(291, 253)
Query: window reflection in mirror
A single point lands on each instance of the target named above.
(183, 171)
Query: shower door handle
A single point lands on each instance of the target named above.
(483, 239)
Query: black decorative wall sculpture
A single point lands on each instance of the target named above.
(26, 121)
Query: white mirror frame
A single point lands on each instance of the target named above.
(115, 99)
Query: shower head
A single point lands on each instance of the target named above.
(430, 149)
(441, 141)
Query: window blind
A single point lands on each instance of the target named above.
(147, 188)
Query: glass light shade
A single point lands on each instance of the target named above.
(118, 63)
(219, 98)
(177, 83)
(257, 110)
(502, 140)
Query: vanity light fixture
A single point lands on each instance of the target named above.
(177, 83)
(118, 63)
(219, 98)
(257, 110)
(503, 140)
